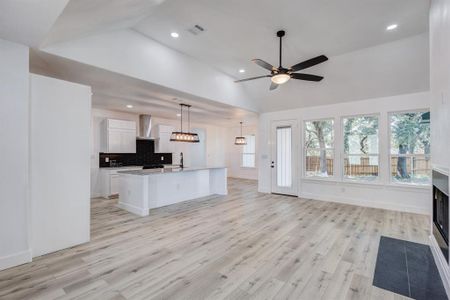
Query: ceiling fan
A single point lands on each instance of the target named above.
(281, 75)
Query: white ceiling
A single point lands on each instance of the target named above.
(114, 91)
(28, 21)
(82, 18)
(238, 31)
(366, 61)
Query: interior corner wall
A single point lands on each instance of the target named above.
(14, 146)
(383, 194)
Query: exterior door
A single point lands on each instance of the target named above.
(284, 137)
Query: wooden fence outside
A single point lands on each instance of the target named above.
(420, 166)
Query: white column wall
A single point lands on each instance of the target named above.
(440, 81)
(60, 114)
(14, 131)
(440, 107)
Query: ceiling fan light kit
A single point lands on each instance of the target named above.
(282, 75)
(183, 136)
(280, 78)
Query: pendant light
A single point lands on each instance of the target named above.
(184, 136)
(240, 140)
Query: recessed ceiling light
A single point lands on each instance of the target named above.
(392, 27)
(178, 115)
(129, 106)
(174, 35)
(241, 71)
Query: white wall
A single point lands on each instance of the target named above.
(131, 53)
(215, 142)
(60, 114)
(382, 195)
(234, 154)
(440, 81)
(14, 129)
(440, 106)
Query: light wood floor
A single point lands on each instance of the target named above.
(246, 245)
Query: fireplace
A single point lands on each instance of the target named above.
(440, 211)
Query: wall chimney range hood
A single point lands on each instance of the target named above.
(145, 127)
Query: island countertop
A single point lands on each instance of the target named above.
(142, 190)
(166, 170)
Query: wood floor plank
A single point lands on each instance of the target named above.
(246, 245)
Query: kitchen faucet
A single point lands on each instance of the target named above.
(181, 160)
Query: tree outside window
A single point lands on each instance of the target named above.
(361, 155)
(319, 148)
(410, 147)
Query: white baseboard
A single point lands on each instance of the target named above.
(15, 259)
(365, 203)
(133, 209)
(264, 190)
(441, 264)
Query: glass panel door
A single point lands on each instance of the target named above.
(284, 157)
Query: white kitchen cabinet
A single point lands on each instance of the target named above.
(109, 180)
(119, 136)
(114, 184)
(162, 139)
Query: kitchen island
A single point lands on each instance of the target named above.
(142, 190)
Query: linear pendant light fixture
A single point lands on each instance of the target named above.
(240, 140)
(182, 136)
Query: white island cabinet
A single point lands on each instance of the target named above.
(142, 190)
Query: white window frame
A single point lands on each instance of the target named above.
(248, 153)
(391, 180)
(305, 150)
(344, 155)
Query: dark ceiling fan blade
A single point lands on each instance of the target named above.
(307, 77)
(264, 64)
(252, 78)
(273, 86)
(308, 63)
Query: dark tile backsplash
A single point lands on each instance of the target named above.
(145, 155)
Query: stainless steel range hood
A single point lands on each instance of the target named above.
(145, 127)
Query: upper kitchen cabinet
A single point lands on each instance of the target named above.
(118, 136)
(162, 139)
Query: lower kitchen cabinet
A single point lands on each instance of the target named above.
(109, 180)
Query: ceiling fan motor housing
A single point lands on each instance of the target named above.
(281, 33)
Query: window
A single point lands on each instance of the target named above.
(410, 147)
(319, 148)
(361, 148)
(248, 152)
